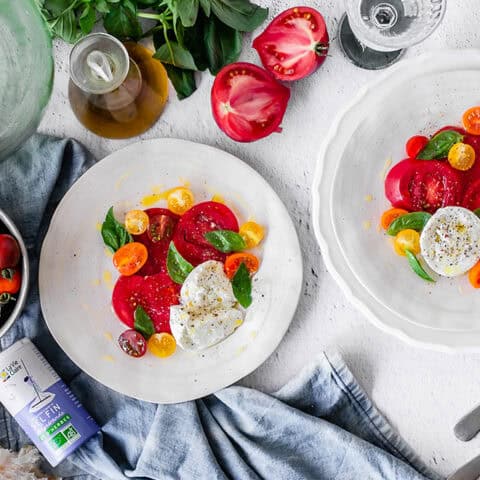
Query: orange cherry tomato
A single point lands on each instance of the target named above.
(390, 215)
(130, 258)
(474, 275)
(162, 345)
(233, 262)
(471, 120)
(180, 200)
(461, 156)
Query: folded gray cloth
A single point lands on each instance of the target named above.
(319, 426)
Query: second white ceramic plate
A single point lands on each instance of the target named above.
(76, 275)
(414, 97)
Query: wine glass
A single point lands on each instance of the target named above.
(373, 33)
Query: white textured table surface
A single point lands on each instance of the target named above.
(422, 392)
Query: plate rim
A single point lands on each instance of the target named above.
(412, 336)
(265, 354)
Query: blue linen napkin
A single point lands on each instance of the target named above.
(321, 425)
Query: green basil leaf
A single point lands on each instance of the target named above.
(178, 268)
(113, 232)
(242, 286)
(56, 7)
(477, 212)
(87, 19)
(174, 54)
(222, 44)
(102, 6)
(187, 11)
(143, 323)
(415, 221)
(205, 4)
(182, 80)
(439, 145)
(65, 26)
(239, 14)
(226, 241)
(122, 22)
(416, 267)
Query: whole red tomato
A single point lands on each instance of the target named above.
(295, 43)
(9, 251)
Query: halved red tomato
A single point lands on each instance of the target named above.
(471, 198)
(157, 238)
(247, 102)
(415, 145)
(155, 294)
(423, 185)
(204, 217)
(294, 44)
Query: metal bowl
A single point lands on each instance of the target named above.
(22, 295)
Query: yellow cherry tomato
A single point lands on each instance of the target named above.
(252, 234)
(136, 222)
(461, 156)
(162, 344)
(407, 240)
(180, 200)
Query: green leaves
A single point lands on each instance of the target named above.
(182, 80)
(113, 232)
(143, 323)
(87, 19)
(178, 268)
(223, 44)
(174, 54)
(417, 267)
(122, 21)
(187, 11)
(415, 221)
(241, 15)
(439, 145)
(226, 241)
(242, 286)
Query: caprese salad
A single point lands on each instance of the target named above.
(185, 273)
(435, 198)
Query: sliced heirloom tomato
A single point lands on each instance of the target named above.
(247, 102)
(155, 293)
(189, 238)
(423, 185)
(294, 44)
(157, 238)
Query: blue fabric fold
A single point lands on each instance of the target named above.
(321, 425)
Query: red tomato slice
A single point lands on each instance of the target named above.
(157, 238)
(204, 217)
(471, 198)
(423, 185)
(247, 102)
(155, 294)
(294, 44)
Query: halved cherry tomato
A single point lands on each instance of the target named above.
(155, 293)
(136, 222)
(471, 120)
(474, 275)
(407, 240)
(130, 258)
(415, 145)
(190, 233)
(294, 44)
(390, 215)
(461, 156)
(233, 262)
(157, 238)
(417, 185)
(180, 200)
(252, 234)
(247, 102)
(132, 343)
(9, 251)
(162, 345)
(10, 280)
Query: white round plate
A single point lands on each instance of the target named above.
(77, 276)
(414, 97)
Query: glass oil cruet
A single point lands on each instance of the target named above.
(116, 90)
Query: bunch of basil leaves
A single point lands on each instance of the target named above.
(189, 35)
